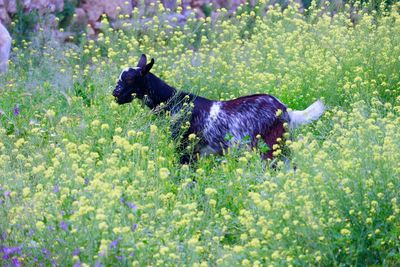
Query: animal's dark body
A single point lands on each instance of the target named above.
(252, 117)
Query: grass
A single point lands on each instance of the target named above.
(85, 181)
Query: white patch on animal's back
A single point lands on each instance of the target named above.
(248, 120)
(214, 111)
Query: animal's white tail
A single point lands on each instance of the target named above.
(313, 112)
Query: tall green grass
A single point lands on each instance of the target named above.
(85, 181)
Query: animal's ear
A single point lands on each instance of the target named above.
(142, 61)
(147, 68)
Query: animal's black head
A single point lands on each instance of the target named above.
(132, 82)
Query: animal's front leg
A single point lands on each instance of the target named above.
(185, 158)
(184, 151)
(190, 150)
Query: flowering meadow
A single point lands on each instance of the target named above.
(86, 182)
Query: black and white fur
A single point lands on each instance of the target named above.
(212, 121)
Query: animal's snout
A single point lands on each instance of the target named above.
(117, 91)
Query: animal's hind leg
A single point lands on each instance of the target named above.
(270, 138)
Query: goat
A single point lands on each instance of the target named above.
(255, 117)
